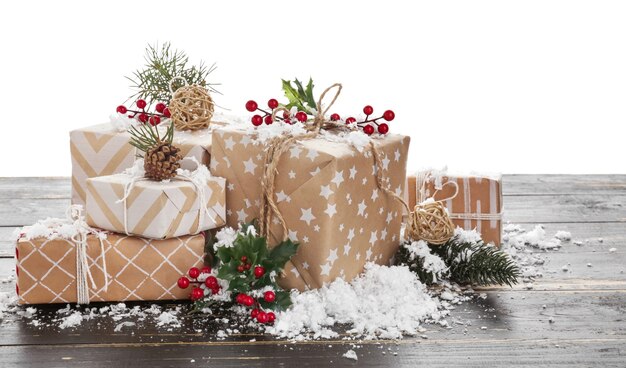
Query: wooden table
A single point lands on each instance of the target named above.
(509, 327)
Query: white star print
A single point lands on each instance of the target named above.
(246, 140)
(368, 254)
(381, 210)
(358, 256)
(214, 164)
(231, 186)
(312, 154)
(393, 238)
(374, 194)
(227, 161)
(350, 234)
(361, 231)
(293, 235)
(307, 215)
(326, 191)
(332, 256)
(331, 210)
(341, 227)
(275, 221)
(316, 228)
(383, 234)
(325, 269)
(315, 172)
(389, 218)
(338, 179)
(346, 249)
(249, 166)
(353, 172)
(281, 196)
(305, 266)
(399, 190)
(364, 181)
(230, 143)
(295, 272)
(295, 152)
(247, 202)
(257, 202)
(385, 162)
(305, 239)
(259, 157)
(396, 155)
(373, 237)
(241, 215)
(229, 212)
(292, 175)
(362, 208)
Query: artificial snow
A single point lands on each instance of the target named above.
(433, 264)
(563, 235)
(383, 302)
(73, 320)
(168, 318)
(351, 354)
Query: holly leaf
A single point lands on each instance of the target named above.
(310, 100)
(282, 301)
(283, 252)
(294, 97)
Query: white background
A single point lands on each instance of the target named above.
(509, 86)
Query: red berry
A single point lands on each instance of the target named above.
(254, 312)
(251, 106)
(205, 269)
(215, 290)
(17, 253)
(155, 120)
(287, 121)
(240, 298)
(141, 104)
(142, 117)
(268, 119)
(194, 272)
(122, 109)
(368, 129)
(286, 114)
(246, 266)
(197, 293)
(183, 282)
(271, 317)
(248, 301)
(272, 103)
(160, 107)
(335, 117)
(301, 116)
(259, 271)
(383, 128)
(389, 115)
(17, 289)
(262, 317)
(350, 120)
(17, 271)
(368, 110)
(211, 282)
(244, 259)
(241, 268)
(167, 113)
(257, 120)
(269, 296)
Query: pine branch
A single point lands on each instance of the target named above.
(152, 83)
(415, 264)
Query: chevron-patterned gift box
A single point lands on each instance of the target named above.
(157, 210)
(102, 150)
(136, 268)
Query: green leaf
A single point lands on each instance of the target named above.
(283, 252)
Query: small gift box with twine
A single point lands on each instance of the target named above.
(66, 261)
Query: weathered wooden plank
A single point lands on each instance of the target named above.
(35, 187)
(20, 212)
(563, 184)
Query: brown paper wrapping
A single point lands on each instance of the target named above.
(476, 195)
(157, 210)
(138, 269)
(101, 150)
(328, 195)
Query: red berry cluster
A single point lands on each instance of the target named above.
(154, 118)
(266, 116)
(257, 313)
(197, 292)
(369, 125)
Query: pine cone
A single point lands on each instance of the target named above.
(162, 161)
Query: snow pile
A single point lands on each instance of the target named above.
(384, 302)
(350, 354)
(54, 228)
(433, 264)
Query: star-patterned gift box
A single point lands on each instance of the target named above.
(476, 205)
(326, 190)
(137, 268)
(103, 150)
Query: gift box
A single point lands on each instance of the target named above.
(476, 205)
(326, 191)
(135, 268)
(104, 150)
(154, 209)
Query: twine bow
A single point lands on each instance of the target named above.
(83, 273)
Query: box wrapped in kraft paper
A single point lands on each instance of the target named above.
(477, 204)
(326, 191)
(104, 150)
(136, 268)
(152, 209)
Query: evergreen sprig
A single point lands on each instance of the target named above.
(468, 263)
(145, 136)
(163, 63)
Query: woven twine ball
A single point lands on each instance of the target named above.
(191, 108)
(430, 222)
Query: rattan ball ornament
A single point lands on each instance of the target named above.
(191, 106)
(429, 221)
